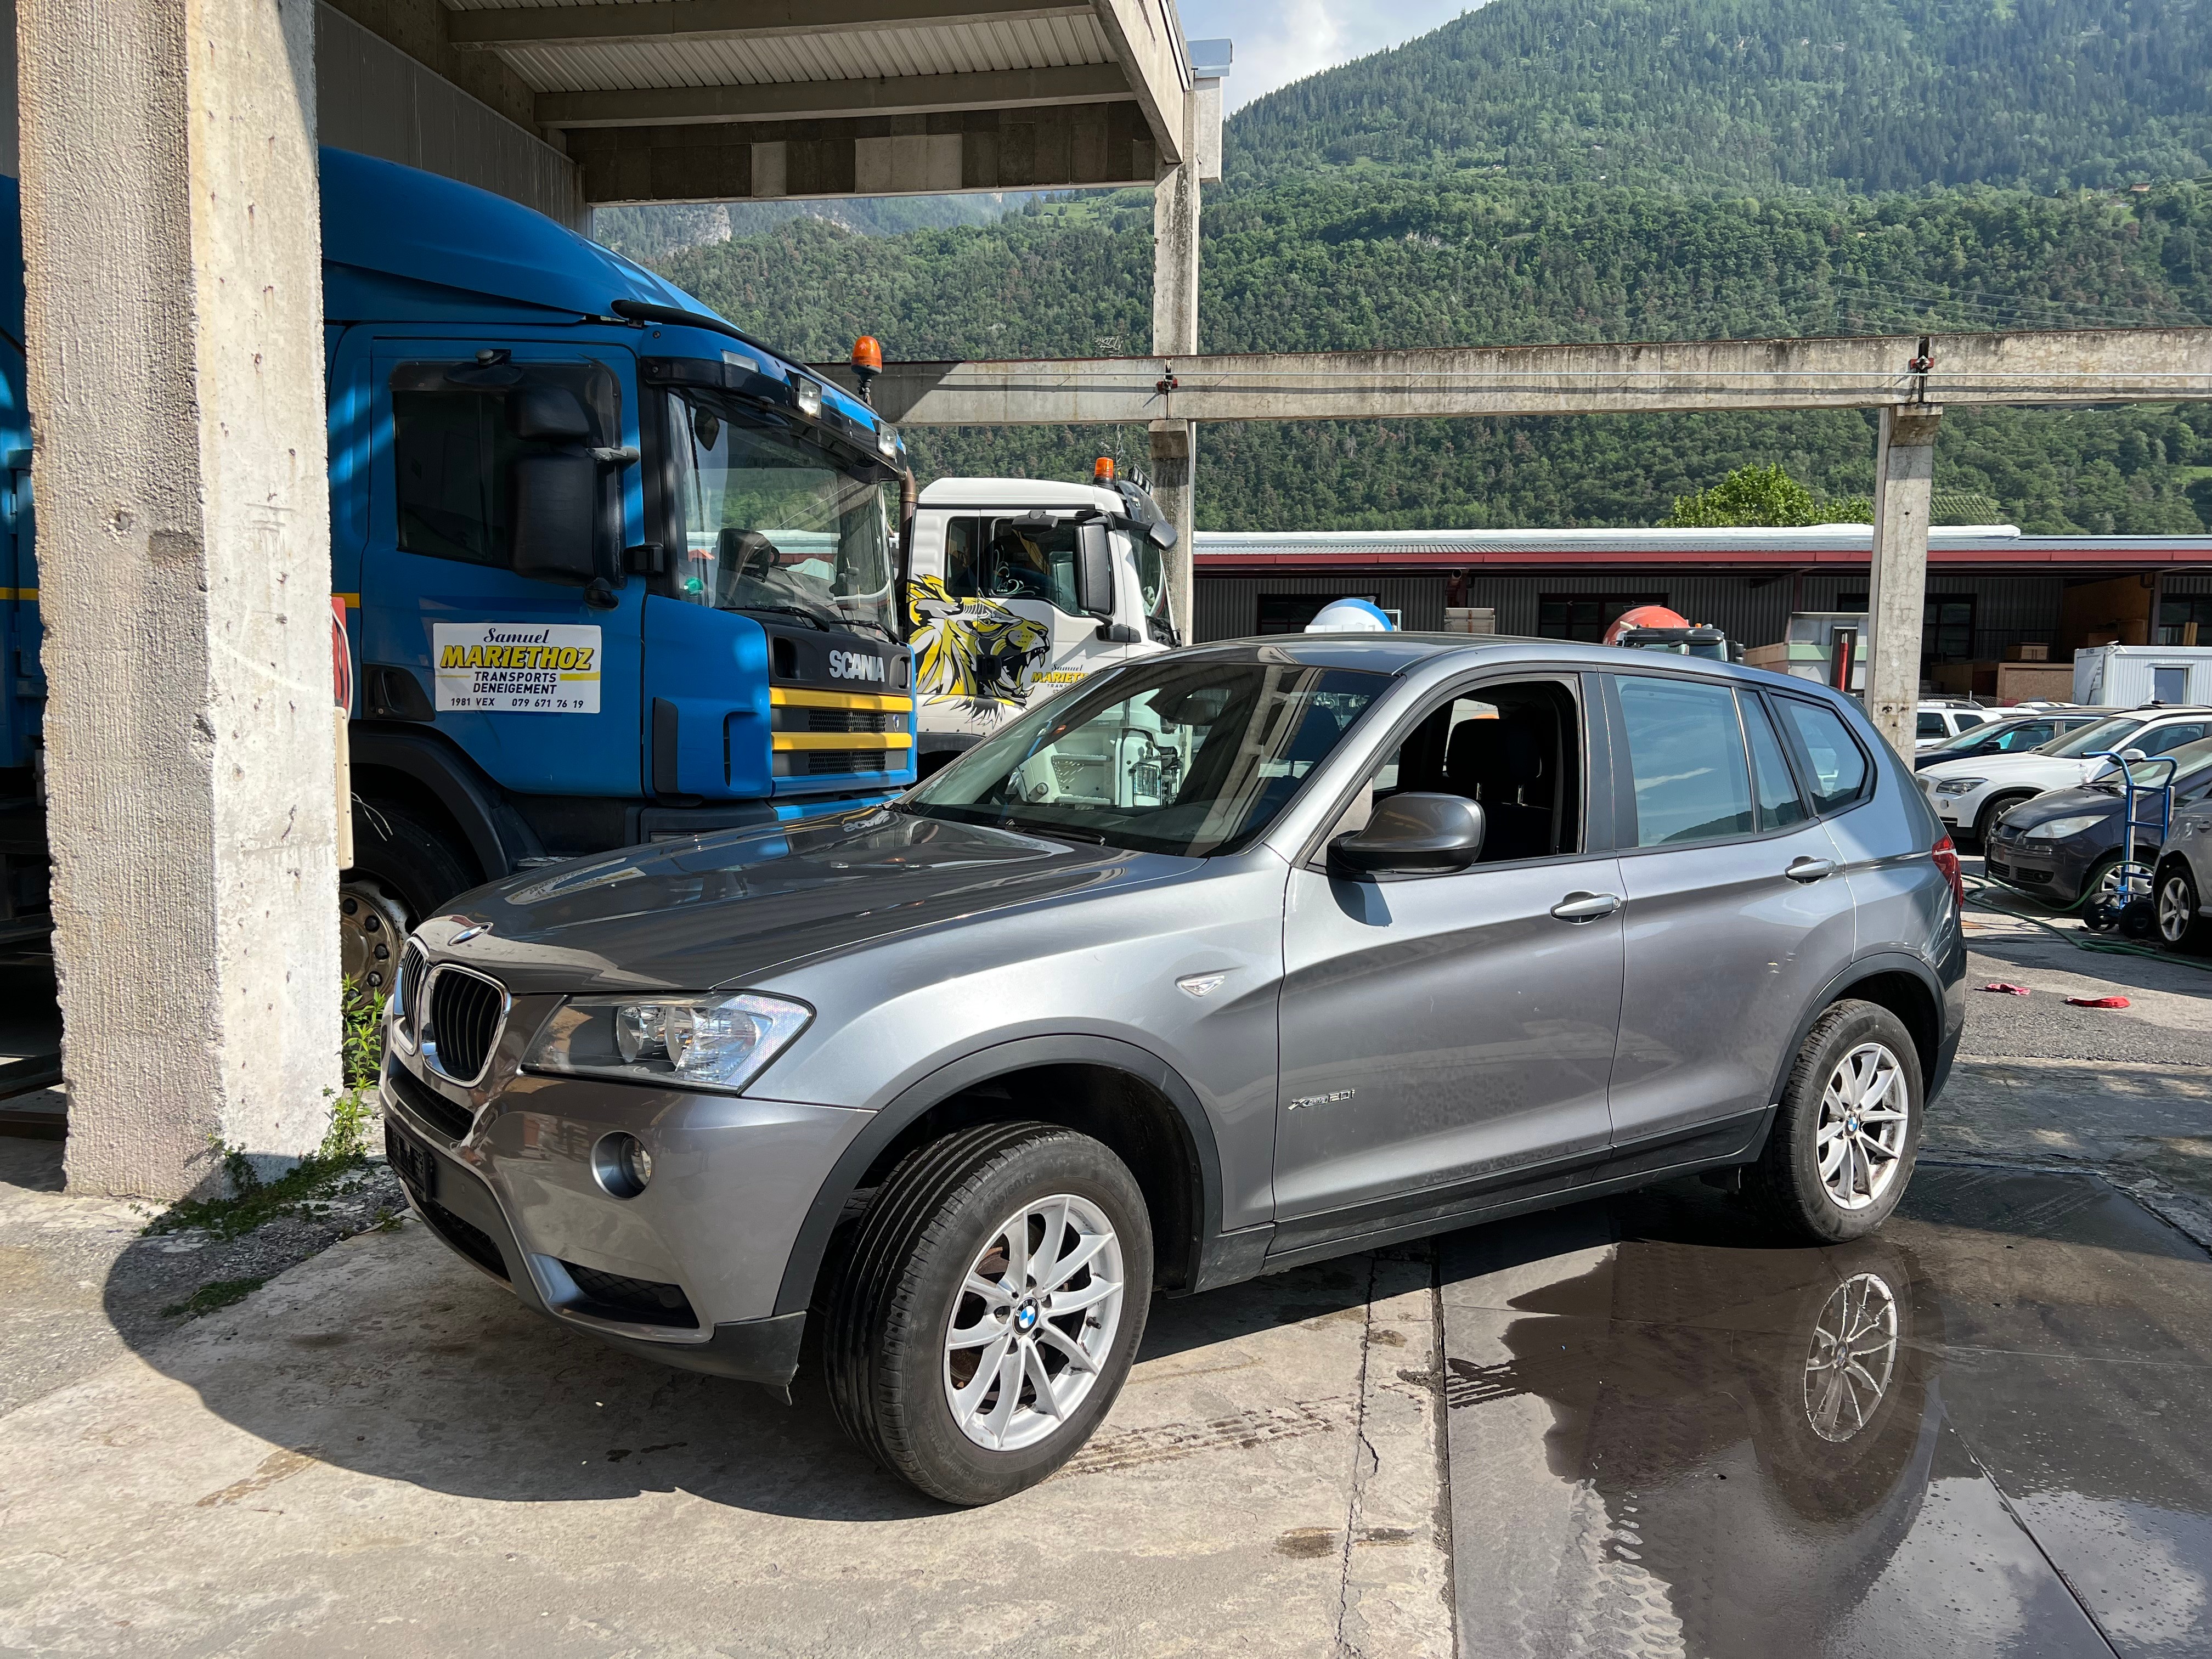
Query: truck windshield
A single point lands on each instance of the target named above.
(775, 518)
(1160, 756)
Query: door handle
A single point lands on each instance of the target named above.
(1810, 869)
(1586, 906)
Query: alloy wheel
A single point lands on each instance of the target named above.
(1034, 1322)
(1861, 1138)
(2177, 909)
(1852, 1355)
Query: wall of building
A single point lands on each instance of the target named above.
(376, 100)
(1229, 606)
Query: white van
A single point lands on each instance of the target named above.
(1019, 587)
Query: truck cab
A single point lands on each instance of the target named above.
(612, 571)
(1019, 587)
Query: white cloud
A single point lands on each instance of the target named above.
(1280, 41)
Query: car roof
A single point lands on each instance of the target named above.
(1398, 652)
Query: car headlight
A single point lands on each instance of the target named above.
(1959, 785)
(719, 1043)
(2059, 829)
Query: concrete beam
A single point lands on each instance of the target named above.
(2150, 365)
(727, 19)
(1060, 147)
(1147, 40)
(822, 100)
(417, 27)
(174, 286)
(1897, 588)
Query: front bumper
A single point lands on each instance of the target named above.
(2054, 871)
(686, 1272)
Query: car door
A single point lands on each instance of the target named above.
(1736, 916)
(1443, 1033)
(538, 687)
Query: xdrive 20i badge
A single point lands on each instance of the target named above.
(855, 665)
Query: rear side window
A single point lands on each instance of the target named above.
(1930, 725)
(1779, 804)
(1685, 757)
(1839, 765)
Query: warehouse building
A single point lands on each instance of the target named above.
(1992, 592)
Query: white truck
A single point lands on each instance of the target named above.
(1019, 587)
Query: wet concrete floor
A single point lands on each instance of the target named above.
(1983, 1432)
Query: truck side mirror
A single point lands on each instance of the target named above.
(1162, 532)
(553, 517)
(1094, 571)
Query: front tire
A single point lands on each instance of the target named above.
(1990, 813)
(2180, 927)
(990, 1308)
(1843, 1146)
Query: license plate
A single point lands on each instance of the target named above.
(413, 1162)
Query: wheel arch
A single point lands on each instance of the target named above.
(1120, 1094)
(424, 772)
(1904, 985)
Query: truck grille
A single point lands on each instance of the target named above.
(851, 720)
(464, 1014)
(822, 763)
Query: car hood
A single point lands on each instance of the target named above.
(2061, 803)
(2011, 769)
(727, 909)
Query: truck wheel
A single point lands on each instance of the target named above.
(1842, 1147)
(371, 926)
(988, 1311)
(403, 869)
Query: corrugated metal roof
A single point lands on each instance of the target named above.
(830, 55)
(1812, 538)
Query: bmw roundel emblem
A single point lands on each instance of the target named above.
(1026, 1317)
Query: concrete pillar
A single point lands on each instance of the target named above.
(1175, 334)
(1897, 588)
(171, 246)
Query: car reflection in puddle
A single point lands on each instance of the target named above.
(1667, 1439)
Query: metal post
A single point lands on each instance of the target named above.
(1175, 334)
(1897, 589)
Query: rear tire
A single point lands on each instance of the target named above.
(1843, 1146)
(972, 1421)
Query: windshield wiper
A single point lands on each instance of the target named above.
(814, 616)
(1022, 826)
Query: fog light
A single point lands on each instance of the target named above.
(621, 1165)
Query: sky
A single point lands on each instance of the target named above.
(1278, 41)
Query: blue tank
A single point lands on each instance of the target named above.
(612, 571)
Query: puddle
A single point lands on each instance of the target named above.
(1978, 1432)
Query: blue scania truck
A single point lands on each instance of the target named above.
(612, 571)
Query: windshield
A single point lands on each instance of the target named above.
(2098, 734)
(1162, 757)
(777, 518)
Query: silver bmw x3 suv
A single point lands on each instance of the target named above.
(1222, 960)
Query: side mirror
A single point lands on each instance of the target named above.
(2131, 756)
(1094, 571)
(1162, 532)
(554, 517)
(1414, 834)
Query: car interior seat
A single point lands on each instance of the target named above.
(1506, 765)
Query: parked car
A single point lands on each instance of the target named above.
(1224, 960)
(2066, 843)
(2011, 735)
(1942, 720)
(2182, 877)
(1970, 795)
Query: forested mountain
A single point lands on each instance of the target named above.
(1871, 94)
(1326, 235)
